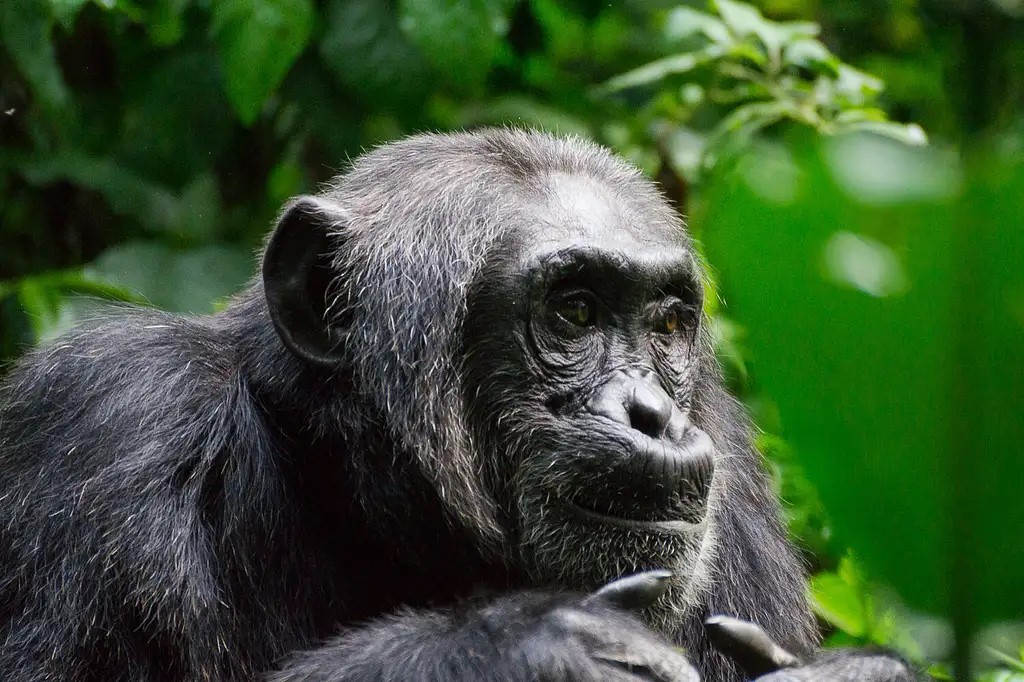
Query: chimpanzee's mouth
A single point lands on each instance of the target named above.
(638, 517)
(636, 494)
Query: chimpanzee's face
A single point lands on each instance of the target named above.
(582, 363)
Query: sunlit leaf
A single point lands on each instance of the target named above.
(685, 22)
(811, 54)
(907, 133)
(840, 598)
(662, 68)
(855, 85)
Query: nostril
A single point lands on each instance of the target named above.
(649, 412)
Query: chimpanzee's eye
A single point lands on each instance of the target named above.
(577, 310)
(667, 323)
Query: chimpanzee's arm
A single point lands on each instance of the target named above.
(525, 636)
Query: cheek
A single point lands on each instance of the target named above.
(560, 361)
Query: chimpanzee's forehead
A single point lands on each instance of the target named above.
(580, 223)
(593, 211)
(588, 213)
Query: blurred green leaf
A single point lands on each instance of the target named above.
(189, 216)
(365, 50)
(811, 54)
(44, 298)
(66, 11)
(186, 281)
(259, 40)
(168, 141)
(746, 20)
(661, 69)
(522, 110)
(459, 37)
(165, 21)
(25, 27)
(686, 22)
(841, 600)
(856, 86)
(565, 31)
(910, 133)
(741, 18)
(126, 193)
(906, 396)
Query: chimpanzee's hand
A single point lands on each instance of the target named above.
(590, 638)
(523, 637)
(765, 661)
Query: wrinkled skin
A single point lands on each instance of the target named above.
(473, 385)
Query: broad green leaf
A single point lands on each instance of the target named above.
(902, 400)
(841, 603)
(366, 52)
(478, 24)
(259, 41)
(127, 194)
(45, 299)
(25, 27)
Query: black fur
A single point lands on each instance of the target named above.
(184, 499)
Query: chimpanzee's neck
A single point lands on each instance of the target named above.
(389, 532)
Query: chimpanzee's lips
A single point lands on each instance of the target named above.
(655, 484)
(677, 524)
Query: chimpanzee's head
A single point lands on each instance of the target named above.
(524, 314)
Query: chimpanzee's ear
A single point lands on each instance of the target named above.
(297, 273)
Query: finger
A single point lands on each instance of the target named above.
(647, 665)
(748, 646)
(634, 592)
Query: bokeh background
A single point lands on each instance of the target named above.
(852, 169)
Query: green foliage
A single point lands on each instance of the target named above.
(747, 73)
(259, 40)
(879, 248)
(480, 26)
(25, 28)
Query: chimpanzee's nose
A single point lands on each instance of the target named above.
(649, 408)
(664, 474)
(636, 399)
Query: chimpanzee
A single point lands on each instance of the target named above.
(472, 386)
